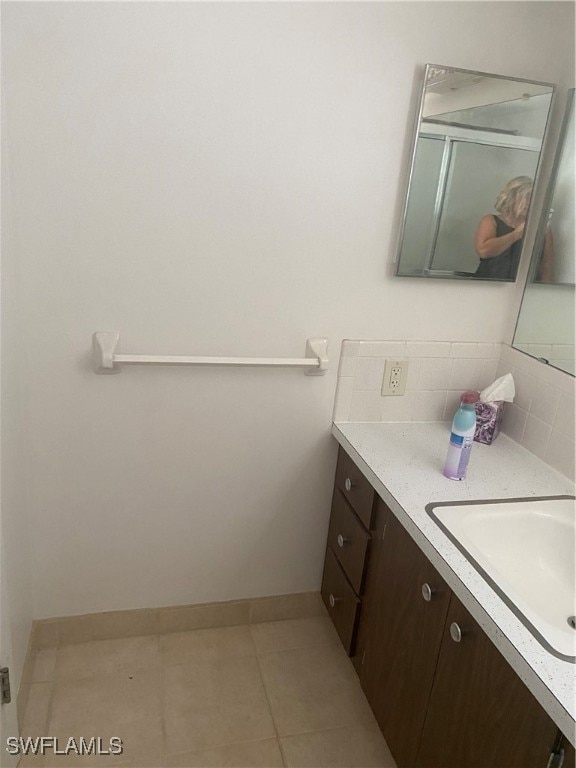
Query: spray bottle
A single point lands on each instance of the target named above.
(461, 436)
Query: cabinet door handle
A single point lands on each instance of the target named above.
(333, 600)
(427, 592)
(349, 484)
(342, 540)
(455, 632)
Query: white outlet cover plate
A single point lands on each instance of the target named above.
(390, 389)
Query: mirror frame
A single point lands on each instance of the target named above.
(413, 145)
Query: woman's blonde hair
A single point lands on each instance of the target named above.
(515, 196)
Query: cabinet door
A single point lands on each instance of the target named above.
(402, 641)
(480, 715)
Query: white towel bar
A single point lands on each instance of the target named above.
(104, 344)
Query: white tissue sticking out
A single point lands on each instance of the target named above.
(501, 389)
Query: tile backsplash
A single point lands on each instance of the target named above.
(560, 355)
(541, 417)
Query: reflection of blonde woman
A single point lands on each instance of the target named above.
(498, 239)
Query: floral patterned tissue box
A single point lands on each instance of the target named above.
(488, 420)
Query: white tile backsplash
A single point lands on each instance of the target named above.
(369, 373)
(564, 418)
(524, 384)
(343, 399)
(428, 405)
(435, 373)
(560, 453)
(365, 405)
(544, 402)
(350, 348)
(541, 417)
(472, 373)
(347, 366)
(382, 349)
(428, 348)
(396, 408)
(536, 436)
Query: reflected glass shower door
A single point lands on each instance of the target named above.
(420, 223)
(477, 172)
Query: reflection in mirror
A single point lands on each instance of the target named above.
(476, 154)
(545, 327)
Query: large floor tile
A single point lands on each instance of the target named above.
(253, 754)
(294, 633)
(338, 748)
(102, 657)
(143, 747)
(44, 665)
(213, 703)
(312, 689)
(37, 708)
(206, 645)
(114, 699)
(124, 706)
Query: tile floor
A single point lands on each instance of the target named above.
(281, 693)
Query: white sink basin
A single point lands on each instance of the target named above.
(524, 548)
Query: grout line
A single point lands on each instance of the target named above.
(284, 761)
(162, 701)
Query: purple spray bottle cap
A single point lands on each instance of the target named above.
(470, 396)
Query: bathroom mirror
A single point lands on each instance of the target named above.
(475, 133)
(545, 327)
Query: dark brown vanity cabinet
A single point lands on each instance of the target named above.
(442, 693)
(399, 640)
(480, 713)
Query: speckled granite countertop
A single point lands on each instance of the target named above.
(404, 462)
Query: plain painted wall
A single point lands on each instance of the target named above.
(16, 587)
(218, 179)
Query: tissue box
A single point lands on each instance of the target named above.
(488, 420)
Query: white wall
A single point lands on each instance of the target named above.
(211, 178)
(16, 588)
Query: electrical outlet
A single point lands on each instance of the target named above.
(394, 382)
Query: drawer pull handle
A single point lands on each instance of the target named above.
(342, 540)
(349, 484)
(455, 632)
(333, 600)
(427, 592)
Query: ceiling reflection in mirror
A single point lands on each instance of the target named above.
(545, 327)
(475, 158)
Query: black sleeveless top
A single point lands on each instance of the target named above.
(504, 266)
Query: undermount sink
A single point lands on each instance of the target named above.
(523, 548)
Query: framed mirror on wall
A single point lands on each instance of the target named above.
(545, 327)
(475, 158)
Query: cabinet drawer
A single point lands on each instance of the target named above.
(348, 539)
(356, 489)
(340, 600)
